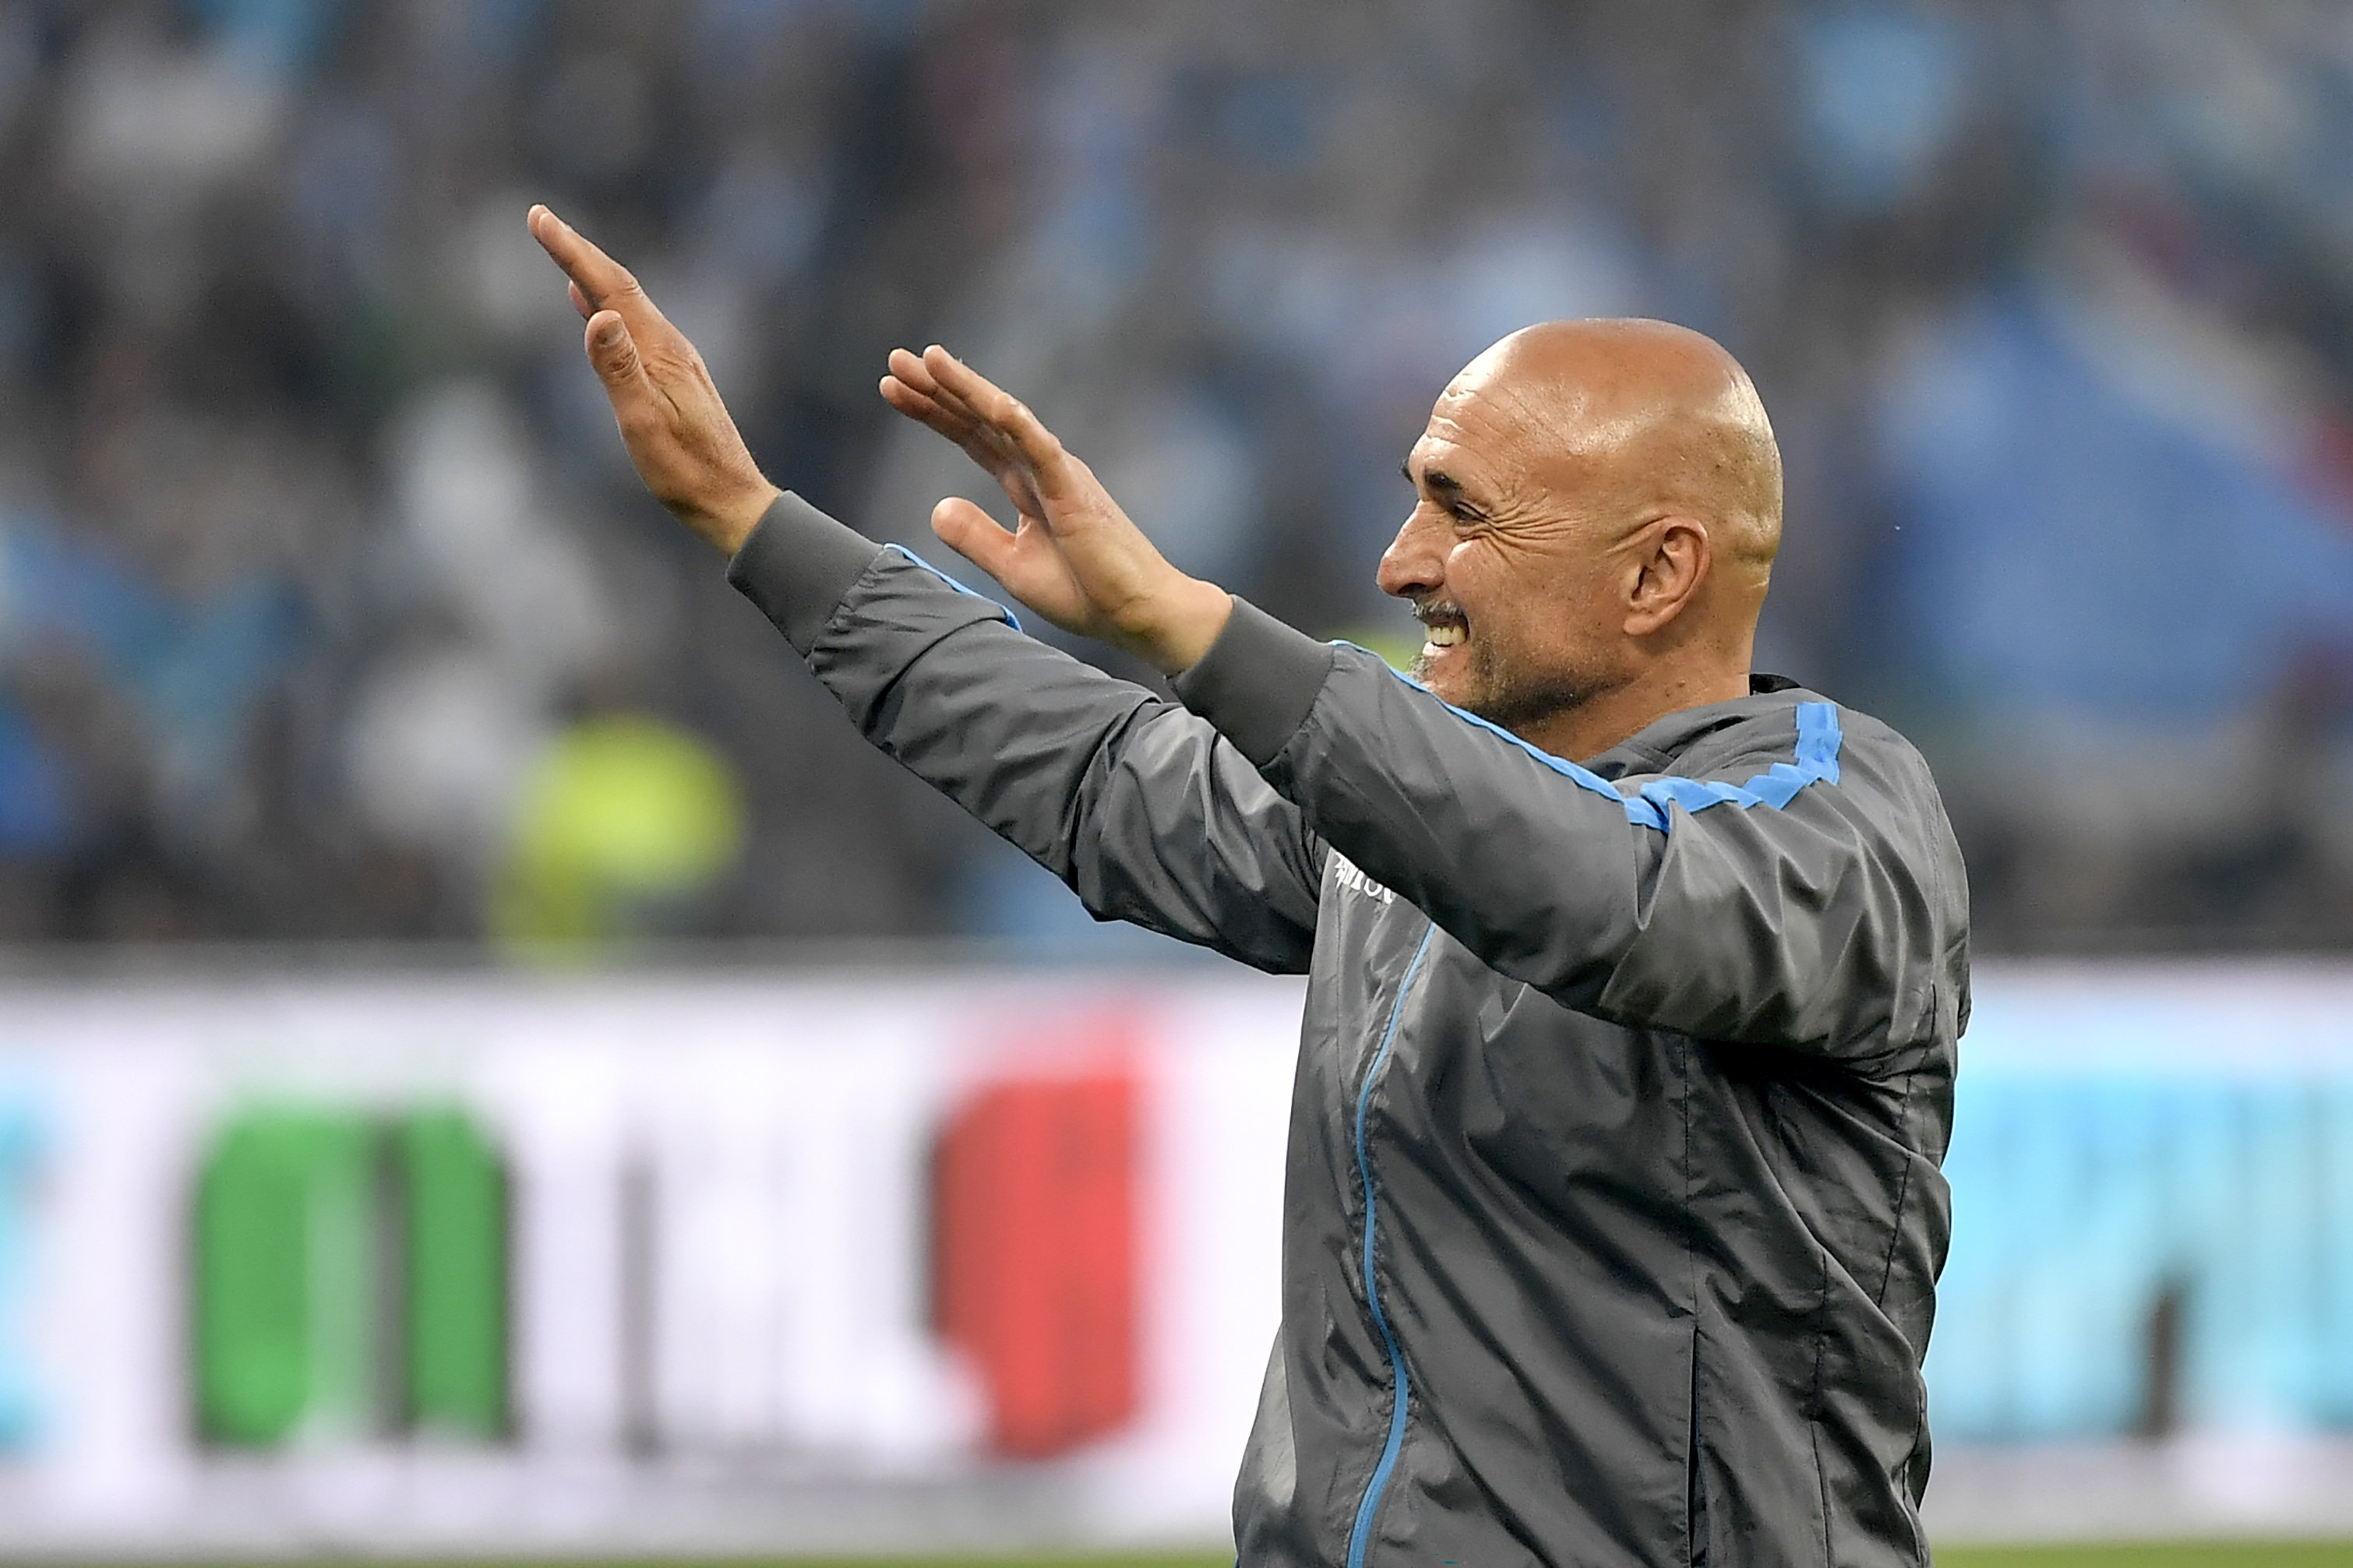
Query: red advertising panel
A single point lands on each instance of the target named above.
(1034, 1255)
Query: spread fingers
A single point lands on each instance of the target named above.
(997, 409)
(913, 374)
(955, 424)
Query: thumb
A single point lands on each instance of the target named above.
(614, 353)
(972, 534)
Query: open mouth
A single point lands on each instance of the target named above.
(1443, 627)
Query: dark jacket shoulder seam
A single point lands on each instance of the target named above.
(1904, 1183)
(1814, 1411)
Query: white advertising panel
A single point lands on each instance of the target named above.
(701, 1260)
(901, 1260)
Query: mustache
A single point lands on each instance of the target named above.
(1427, 611)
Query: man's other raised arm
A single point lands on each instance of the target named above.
(1802, 891)
(1140, 807)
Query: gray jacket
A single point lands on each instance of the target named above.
(1612, 1216)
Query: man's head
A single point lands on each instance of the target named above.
(1598, 506)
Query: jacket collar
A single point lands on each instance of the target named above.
(1656, 748)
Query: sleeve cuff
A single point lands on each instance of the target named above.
(797, 566)
(1257, 682)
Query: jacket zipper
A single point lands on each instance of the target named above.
(1360, 1537)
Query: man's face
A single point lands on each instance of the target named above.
(1509, 574)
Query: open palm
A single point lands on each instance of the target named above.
(1075, 557)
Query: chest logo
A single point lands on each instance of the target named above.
(1344, 873)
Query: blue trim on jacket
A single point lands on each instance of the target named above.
(1012, 620)
(1360, 1537)
(1819, 739)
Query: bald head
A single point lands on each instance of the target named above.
(1599, 506)
(1640, 418)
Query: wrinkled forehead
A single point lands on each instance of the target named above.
(1571, 411)
(1549, 430)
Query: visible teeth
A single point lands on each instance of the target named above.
(1444, 636)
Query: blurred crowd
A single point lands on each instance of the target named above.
(330, 608)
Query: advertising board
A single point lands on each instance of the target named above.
(900, 1259)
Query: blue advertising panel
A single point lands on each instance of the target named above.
(2152, 1186)
(23, 1146)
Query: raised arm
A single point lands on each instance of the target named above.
(1140, 807)
(1791, 881)
(678, 430)
(1783, 882)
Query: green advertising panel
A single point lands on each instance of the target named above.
(285, 1277)
(455, 1292)
(349, 1276)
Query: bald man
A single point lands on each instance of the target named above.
(1612, 1212)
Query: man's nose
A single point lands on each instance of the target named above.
(1415, 562)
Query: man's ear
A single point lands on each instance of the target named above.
(1671, 562)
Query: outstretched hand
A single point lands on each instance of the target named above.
(1074, 557)
(679, 434)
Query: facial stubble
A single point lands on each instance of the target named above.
(1508, 693)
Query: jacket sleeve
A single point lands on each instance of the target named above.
(1797, 894)
(1139, 807)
